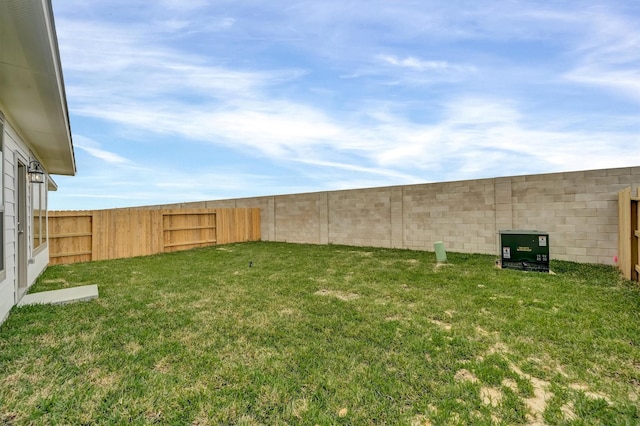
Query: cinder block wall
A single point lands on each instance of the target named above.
(578, 209)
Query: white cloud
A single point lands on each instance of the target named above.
(94, 149)
(306, 89)
(183, 6)
(389, 173)
(622, 82)
(415, 63)
(609, 56)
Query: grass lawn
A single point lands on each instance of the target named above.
(324, 335)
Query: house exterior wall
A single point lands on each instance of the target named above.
(13, 147)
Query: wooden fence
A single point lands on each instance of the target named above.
(629, 234)
(82, 236)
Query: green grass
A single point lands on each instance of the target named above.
(324, 335)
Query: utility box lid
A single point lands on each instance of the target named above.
(522, 232)
(525, 250)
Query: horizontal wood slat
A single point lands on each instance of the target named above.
(190, 243)
(71, 235)
(185, 228)
(179, 212)
(78, 253)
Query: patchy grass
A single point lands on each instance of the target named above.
(324, 335)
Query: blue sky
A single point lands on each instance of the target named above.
(187, 100)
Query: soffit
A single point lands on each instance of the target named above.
(32, 94)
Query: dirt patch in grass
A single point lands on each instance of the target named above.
(445, 326)
(49, 340)
(57, 281)
(490, 396)
(287, 312)
(481, 331)
(132, 348)
(538, 403)
(589, 394)
(567, 411)
(153, 416)
(83, 357)
(394, 318)
(362, 253)
(162, 366)
(102, 379)
(337, 294)
(465, 375)
(441, 265)
(421, 420)
(510, 384)
(499, 348)
(298, 407)
(541, 395)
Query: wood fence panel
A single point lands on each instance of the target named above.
(101, 233)
(243, 217)
(156, 231)
(118, 233)
(70, 237)
(237, 225)
(139, 237)
(188, 229)
(222, 225)
(121, 246)
(256, 228)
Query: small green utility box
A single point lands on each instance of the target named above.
(524, 250)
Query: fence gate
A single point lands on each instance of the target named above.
(629, 234)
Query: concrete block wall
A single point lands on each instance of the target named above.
(360, 217)
(577, 209)
(461, 214)
(297, 218)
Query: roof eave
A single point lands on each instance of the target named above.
(32, 92)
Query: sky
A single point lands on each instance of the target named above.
(187, 100)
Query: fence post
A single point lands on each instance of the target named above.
(94, 239)
(635, 237)
(624, 232)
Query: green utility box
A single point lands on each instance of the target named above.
(524, 250)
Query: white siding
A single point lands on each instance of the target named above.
(12, 145)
